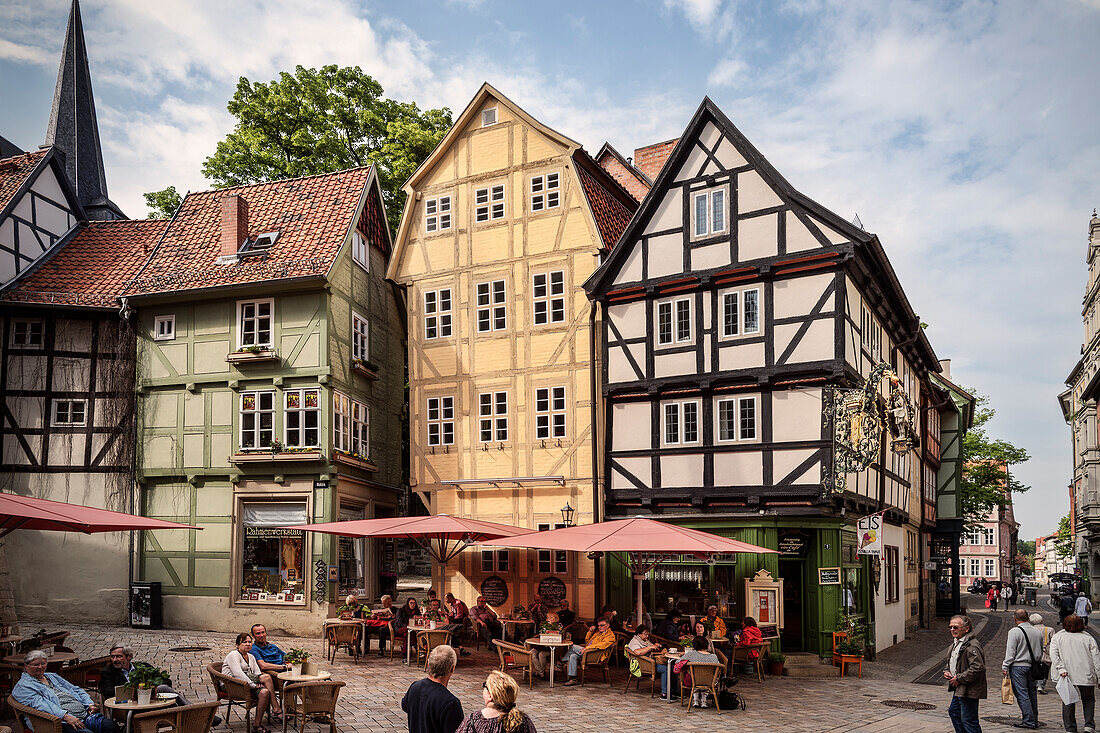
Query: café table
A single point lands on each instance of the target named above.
(668, 658)
(55, 658)
(515, 622)
(132, 707)
(290, 677)
(12, 639)
(553, 646)
(410, 640)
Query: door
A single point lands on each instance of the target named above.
(792, 572)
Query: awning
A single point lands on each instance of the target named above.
(25, 512)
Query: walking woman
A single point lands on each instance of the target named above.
(241, 664)
(500, 714)
(1074, 654)
(992, 597)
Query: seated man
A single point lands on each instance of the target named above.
(601, 637)
(566, 616)
(268, 656)
(379, 625)
(458, 613)
(435, 611)
(50, 693)
(642, 646)
(670, 627)
(117, 674)
(536, 610)
(485, 622)
(713, 622)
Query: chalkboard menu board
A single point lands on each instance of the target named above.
(828, 576)
(552, 591)
(793, 542)
(495, 590)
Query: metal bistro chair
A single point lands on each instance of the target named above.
(704, 678)
(234, 692)
(428, 639)
(42, 722)
(513, 656)
(197, 718)
(310, 699)
(343, 635)
(646, 665)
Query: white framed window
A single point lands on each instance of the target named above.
(254, 319)
(489, 203)
(991, 568)
(708, 212)
(437, 214)
(360, 429)
(988, 535)
(302, 417)
(548, 297)
(488, 117)
(164, 328)
(871, 335)
(740, 312)
(27, 333)
(492, 314)
(975, 567)
(257, 419)
(494, 561)
(674, 324)
(680, 422)
(441, 420)
(70, 413)
(360, 252)
(360, 337)
(549, 413)
(350, 425)
(493, 413)
(552, 561)
(545, 191)
(437, 313)
(736, 418)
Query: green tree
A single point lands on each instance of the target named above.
(324, 120)
(162, 204)
(987, 479)
(1063, 543)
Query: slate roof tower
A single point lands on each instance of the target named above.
(73, 128)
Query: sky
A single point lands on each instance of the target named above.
(963, 133)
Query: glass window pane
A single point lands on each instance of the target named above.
(700, 214)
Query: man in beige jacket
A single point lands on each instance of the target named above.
(965, 675)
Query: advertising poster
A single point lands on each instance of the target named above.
(869, 535)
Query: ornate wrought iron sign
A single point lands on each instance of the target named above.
(856, 419)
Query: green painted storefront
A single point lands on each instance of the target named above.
(810, 609)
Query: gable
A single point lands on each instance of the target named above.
(38, 211)
(718, 204)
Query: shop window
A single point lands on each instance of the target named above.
(350, 559)
(893, 590)
(272, 558)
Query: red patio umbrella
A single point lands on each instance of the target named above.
(25, 512)
(636, 537)
(440, 529)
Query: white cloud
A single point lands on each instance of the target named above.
(727, 73)
(24, 54)
(700, 13)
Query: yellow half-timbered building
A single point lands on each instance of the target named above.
(503, 224)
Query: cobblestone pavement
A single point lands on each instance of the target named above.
(371, 701)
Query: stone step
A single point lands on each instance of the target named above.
(811, 670)
(801, 659)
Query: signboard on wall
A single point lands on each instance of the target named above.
(495, 590)
(793, 542)
(869, 535)
(828, 576)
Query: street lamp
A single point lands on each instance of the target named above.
(567, 513)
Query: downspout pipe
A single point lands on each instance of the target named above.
(597, 515)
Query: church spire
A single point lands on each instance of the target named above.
(73, 128)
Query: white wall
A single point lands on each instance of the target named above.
(890, 617)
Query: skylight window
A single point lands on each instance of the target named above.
(259, 243)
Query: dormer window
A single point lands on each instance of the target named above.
(489, 117)
(261, 243)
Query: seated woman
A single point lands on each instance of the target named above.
(405, 614)
(670, 627)
(698, 653)
(541, 658)
(240, 664)
(643, 646)
(52, 694)
(356, 608)
(701, 630)
(750, 634)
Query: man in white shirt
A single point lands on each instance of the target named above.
(1083, 607)
(1025, 644)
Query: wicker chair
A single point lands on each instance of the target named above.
(197, 718)
(40, 721)
(343, 635)
(743, 655)
(704, 678)
(85, 674)
(234, 692)
(596, 659)
(428, 639)
(622, 638)
(306, 699)
(522, 658)
(393, 638)
(646, 666)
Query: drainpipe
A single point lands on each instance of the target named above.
(124, 314)
(593, 386)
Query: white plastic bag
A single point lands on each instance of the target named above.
(1067, 691)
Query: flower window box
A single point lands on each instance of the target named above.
(355, 460)
(367, 369)
(282, 455)
(251, 355)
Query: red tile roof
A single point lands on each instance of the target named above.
(623, 171)
(92, 268)
(611, 204)
(15, 171)
(312, 216)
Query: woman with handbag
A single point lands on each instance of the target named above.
(1075, 657)
(241, 664)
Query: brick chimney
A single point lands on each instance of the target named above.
(234, 229)
(651, 159)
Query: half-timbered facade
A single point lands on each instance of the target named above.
(504, 222)
(270, 392)
(730, 304)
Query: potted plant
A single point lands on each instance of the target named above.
(147, 677)
(435, 617)
(519, 612)
(296, 658)
(856, 630)
(775, 664)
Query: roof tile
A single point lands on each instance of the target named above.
(612, 212)
(15, 171)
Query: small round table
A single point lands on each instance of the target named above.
(55, 658)
(553, 646)
(291, 677)
(669, 659)
(132, 707)
(12, 639)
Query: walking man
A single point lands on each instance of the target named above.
(431, 707)
(1083, 607)
(1006, 594)
(965, 675)
(1025, 645)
